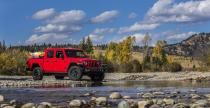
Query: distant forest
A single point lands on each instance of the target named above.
(41, 47)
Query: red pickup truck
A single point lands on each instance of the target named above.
(61, 62)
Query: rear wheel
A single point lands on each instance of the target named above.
(75, 73)
(97, 77)
(59, 77)
(37, 73)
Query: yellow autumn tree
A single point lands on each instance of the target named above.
(125, 49)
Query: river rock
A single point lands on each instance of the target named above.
(43, 106)
(202, 103)
(28, 105)
(145, 104)
(155, 106)
(148, 95)
(126, 97)
(195, 96)
(208, 96)
(158, 93)
(181, 105)
(123, 104)
(46, 104)
(115, 95)
(132, 103)
(102, 101)
(9, 107)
(1, 98)
(159, 101)
(169, 101)
(75, 103)
(12, 102)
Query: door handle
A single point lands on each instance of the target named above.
(55, 61)
(47, 61)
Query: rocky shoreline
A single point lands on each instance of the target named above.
(154, 99)
(26, 81)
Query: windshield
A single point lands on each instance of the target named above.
(75, 53)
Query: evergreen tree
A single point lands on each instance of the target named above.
(89, 46)
(82, 44)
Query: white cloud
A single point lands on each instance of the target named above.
(105, 16)
(43, 14)
(137, 27)
(72, 16)
(48, 37)
(132, 15)
(168, 11)
(58, 28)
(95, 37)
(180, 36)
(103, 30)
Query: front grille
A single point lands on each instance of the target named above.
(92, 64)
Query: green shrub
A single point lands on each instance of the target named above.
(173, 67)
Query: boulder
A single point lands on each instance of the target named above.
(12, 102)
(101, 101)
(195, 96)
(28, 105)
(124, 104)
(46, 104)
(202, 103)
(148, 95)
(126, 97)
(181, 105)
(75, 103)
(1, 98)
(115, 95)
(145, 104)
(155, 106)
(169, 101)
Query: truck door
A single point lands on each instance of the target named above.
(49, 61)
(60, 62)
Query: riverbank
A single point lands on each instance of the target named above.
(27, 81)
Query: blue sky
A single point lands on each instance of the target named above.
(68, 21)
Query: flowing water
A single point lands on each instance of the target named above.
(61, 95)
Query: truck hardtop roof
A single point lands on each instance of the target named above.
(63, 48)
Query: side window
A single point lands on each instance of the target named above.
(50, 54)
(59, 54)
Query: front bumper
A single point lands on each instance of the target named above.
(93, 69)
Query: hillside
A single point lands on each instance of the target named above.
(190, 46)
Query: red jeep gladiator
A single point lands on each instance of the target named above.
(61, 62)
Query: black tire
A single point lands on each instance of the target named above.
(99, 77)
(59, 77)
(75, 73)
(37, 73)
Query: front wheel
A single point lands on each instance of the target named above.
(97, 77)
(75, 73)
(37, 73)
